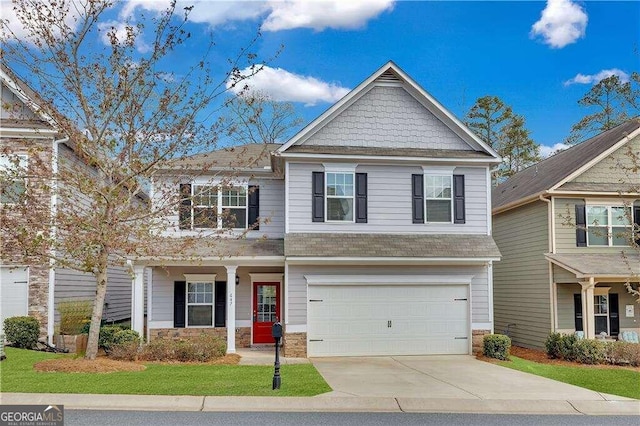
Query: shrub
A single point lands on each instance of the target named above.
(107, 335)
(587, 351)
(74, 314)
(126, 336)
(552, 344)
(125, 350)
(22, 332)
(497, 346)
(623, 353)
(568, 347)
(198, 349)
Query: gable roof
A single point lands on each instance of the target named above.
(557, 169)
(390, 72)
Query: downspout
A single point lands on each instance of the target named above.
(54, 211)
(552, 287)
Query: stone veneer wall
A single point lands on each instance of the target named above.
(295, 345)
(477, 340)
(243, 334)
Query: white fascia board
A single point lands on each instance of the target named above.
(387, 279)
(597, 159)
(211, 261)
(390, 260)
(18, 132)
(583, 194)
(388, 159)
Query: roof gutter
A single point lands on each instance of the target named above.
(520, 202)
(53, 212)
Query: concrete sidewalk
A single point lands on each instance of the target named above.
(324, 403)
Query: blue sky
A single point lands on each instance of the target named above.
(527, 53)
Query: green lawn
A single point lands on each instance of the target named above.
(615, 381)
(17, 375)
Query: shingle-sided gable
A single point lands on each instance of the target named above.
(387, 117)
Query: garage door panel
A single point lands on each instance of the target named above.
(354, 320)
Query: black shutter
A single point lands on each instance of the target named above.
(458, 199)
(581, 224)
(179, 300)
(254, 207)
(417, 198)
(220, 312)
(577, 307)
(636, 220)
(361, 198)
(614, 314)
(184, 209)
(317, 206)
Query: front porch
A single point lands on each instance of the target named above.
(590, 297)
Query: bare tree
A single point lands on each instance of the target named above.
(135, 113)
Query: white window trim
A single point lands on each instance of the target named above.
(200, 278)
(347, 170)
(219, 211)
(437, 171)
(22, 163)
(610, 227)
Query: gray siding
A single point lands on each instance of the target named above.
(566, 309)
(74, 285)
(561, 275)
(389, 202)
(565, 216)
(521, 278)
(271, 207)
(616, 168)
(387, 117)
(297, 284)
(14, 108)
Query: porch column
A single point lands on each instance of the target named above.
(588, 312)
(231, 308)
(137, 301)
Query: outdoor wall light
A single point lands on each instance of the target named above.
(237, 280)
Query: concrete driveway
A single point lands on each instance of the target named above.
(456, 376)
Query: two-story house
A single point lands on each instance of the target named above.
(564, 228)
(370, 234)
(32, 286)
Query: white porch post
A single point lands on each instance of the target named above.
(588, 312)
(137, 300)
(231, 308)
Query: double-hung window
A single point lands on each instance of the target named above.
(12, 178)
(608, 225)
(340, 194)
(216, 207)
(438, 198)
(200, 303)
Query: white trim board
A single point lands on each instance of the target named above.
(388, 279)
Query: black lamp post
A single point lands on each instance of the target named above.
(276, 332)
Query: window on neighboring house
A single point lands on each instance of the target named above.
(608, 225)
(12, 179)
(200, 304)
(438, 198)
(340, 194)
(214, 207)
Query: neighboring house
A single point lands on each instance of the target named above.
(33, 288)
(564, 228)
(371, 234)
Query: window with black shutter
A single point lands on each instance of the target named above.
(254, 207)
(361, 198)
(458, 199)
(581, 225)
(184, 209)
(417, 198)
(317, 202)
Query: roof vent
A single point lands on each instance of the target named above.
(389, 76)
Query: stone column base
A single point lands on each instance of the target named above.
(477, 345)
(295, 345)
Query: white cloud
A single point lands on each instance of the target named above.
(562, 22)
(321, 14)
(284, 86)
(546, 151)
(124, 33)
(278, 14)
(595, 78)
(19, 32)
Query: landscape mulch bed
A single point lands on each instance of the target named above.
(103, 364)
(542, 358)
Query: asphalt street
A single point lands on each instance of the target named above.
(162, 418)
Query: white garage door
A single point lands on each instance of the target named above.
(357, 320)
(14, 293)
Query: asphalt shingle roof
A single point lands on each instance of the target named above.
(390, 152)
(212, 248)
(389, 245)
(552, 170)
(248, 156)
(595, 265)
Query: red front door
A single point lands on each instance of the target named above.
(266, 310)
